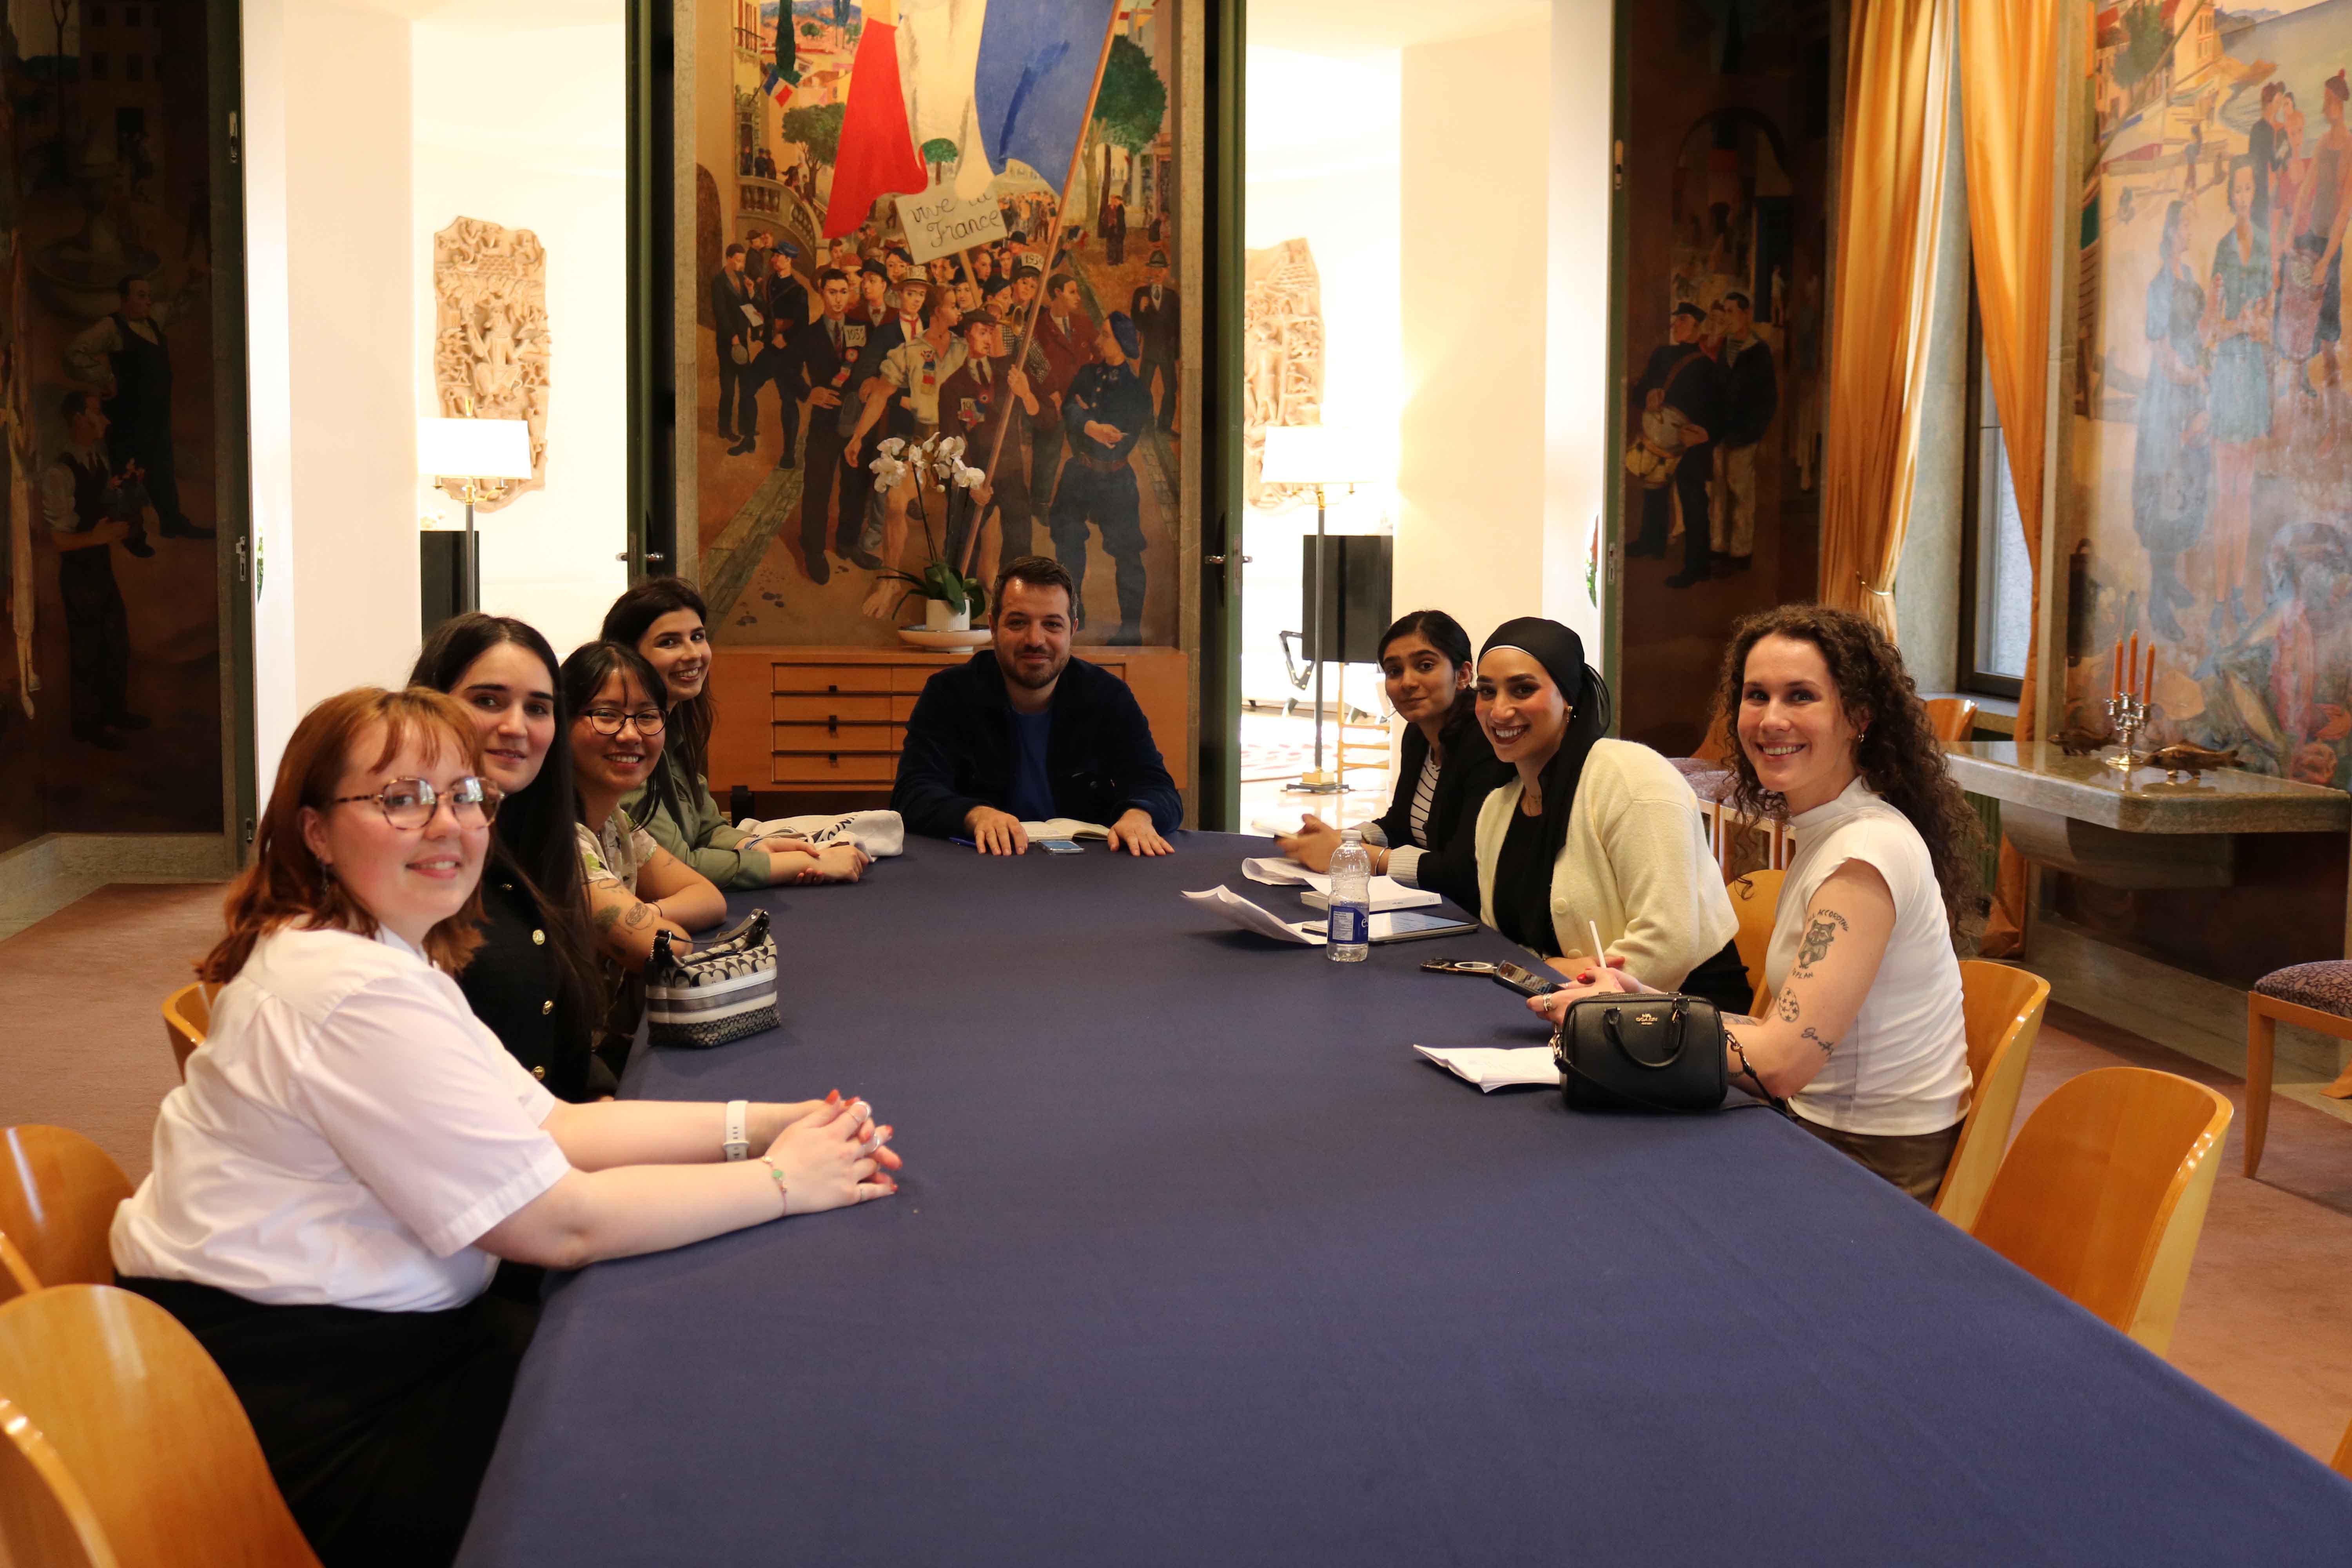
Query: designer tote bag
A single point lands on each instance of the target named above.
(722, 992)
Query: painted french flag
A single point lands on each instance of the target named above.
(877, 154)
(1035, 73)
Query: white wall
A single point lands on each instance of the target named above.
(544, 152)
(1470, 530)
(1578, 465)
(366, 129)
(1331, 180)
(327, 101)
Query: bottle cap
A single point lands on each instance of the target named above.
(1351, 836)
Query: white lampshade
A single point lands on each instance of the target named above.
(474, 448)
(1319, 455)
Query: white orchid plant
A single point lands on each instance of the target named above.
(937, 460)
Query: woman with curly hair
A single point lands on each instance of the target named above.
(1864, 1038)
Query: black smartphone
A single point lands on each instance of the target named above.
(1525, 981)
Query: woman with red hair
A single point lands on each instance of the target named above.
(352, 1151)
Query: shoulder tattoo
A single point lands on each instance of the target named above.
(1814, 945)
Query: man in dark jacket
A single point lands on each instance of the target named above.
(1025, 732)
(1751, 397)
(1681, 382)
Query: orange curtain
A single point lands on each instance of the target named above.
(1897, 54)
(2009, 117)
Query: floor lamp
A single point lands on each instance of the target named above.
(471, 451)
(1317, 455)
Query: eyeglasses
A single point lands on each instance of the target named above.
(608, 720)
(409, 803)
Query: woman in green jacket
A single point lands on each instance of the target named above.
(663, 619)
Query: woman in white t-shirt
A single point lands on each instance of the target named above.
(353, 1151)
(1865, 1038)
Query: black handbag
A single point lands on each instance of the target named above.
(1645, 1052)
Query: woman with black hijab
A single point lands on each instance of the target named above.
(1592, 831)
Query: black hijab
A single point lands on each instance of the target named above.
(1562, 653)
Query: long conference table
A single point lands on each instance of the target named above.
(1195, 1262)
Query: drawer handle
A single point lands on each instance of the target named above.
(832, 724)
(833, 690)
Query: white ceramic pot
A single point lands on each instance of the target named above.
(938, 618)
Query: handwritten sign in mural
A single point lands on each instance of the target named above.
(941, 223)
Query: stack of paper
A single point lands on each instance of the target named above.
(1231, 905)
(1388, 893)
(1493, 1067)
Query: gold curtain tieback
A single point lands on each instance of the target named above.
(1881, 592)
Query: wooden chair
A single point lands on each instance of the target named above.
(2003, 1007)
(2316, 995)
(149, 1457)
(1754, 898)
(2104, 1193)
(187, 1015)
(1952, 718)
(59, 1191)
(16, 1276)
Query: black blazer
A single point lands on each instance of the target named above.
(1470, 774)
(1100, 759)
(512, 986)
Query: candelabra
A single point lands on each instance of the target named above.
(2129, 715)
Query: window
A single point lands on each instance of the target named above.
(97, 17)
(1995, 577)
(133, 65)
(98, 68)
(131, 16)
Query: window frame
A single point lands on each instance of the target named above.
(1979, 545)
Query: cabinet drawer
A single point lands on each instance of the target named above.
(901, 708)
(827, 678)
(836, 767)
(873, 708)
(871, 735)
(909, 678)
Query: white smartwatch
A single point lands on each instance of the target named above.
(738, 1140)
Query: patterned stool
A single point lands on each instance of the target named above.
(2316, 995)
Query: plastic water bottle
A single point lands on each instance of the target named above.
(1351, 912)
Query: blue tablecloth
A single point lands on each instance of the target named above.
(1195, 1262)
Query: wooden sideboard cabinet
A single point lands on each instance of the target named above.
(825, 723)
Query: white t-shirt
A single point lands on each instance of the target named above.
(1903, 1068)
(346, 1134)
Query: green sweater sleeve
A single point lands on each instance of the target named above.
(705, 840)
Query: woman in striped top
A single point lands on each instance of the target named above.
(1445, 767)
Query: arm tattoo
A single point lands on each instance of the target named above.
(607, 918)
(1814, 945)
(1826, 1046)
(638, 915)
(1789, 1007)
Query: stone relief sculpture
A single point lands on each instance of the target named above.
(1282, 356)
(490, 340)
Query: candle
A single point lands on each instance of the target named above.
(2116, 688)
(2148, 673)
(2131, 666)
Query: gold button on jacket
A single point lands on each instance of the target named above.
(539, 939)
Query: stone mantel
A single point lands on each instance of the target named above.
(2039, 777)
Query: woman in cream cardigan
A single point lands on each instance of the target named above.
(1593, 830)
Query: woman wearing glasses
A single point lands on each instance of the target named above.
(352, 1153)
(635, 887)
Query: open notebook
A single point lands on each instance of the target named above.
(1066, 828)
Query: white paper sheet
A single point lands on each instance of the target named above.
(1231, 905)
(1278, 871)
(1388, 893)
(1495, 1066)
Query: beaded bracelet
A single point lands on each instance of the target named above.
(781, 1194)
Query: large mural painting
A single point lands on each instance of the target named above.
(110, 686)
(2214, 513)
(879, 192)
(1727, 168)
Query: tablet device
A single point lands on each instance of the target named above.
(1406, 925)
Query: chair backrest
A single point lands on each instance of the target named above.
(16, 1276)
(2004, 1009)
(59, 1191)
(2104, 1193)
(1754, 898)
(43, 1516)
(147, 1428)
(187, 1017)
(1952, 718)
(2342, 1463)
